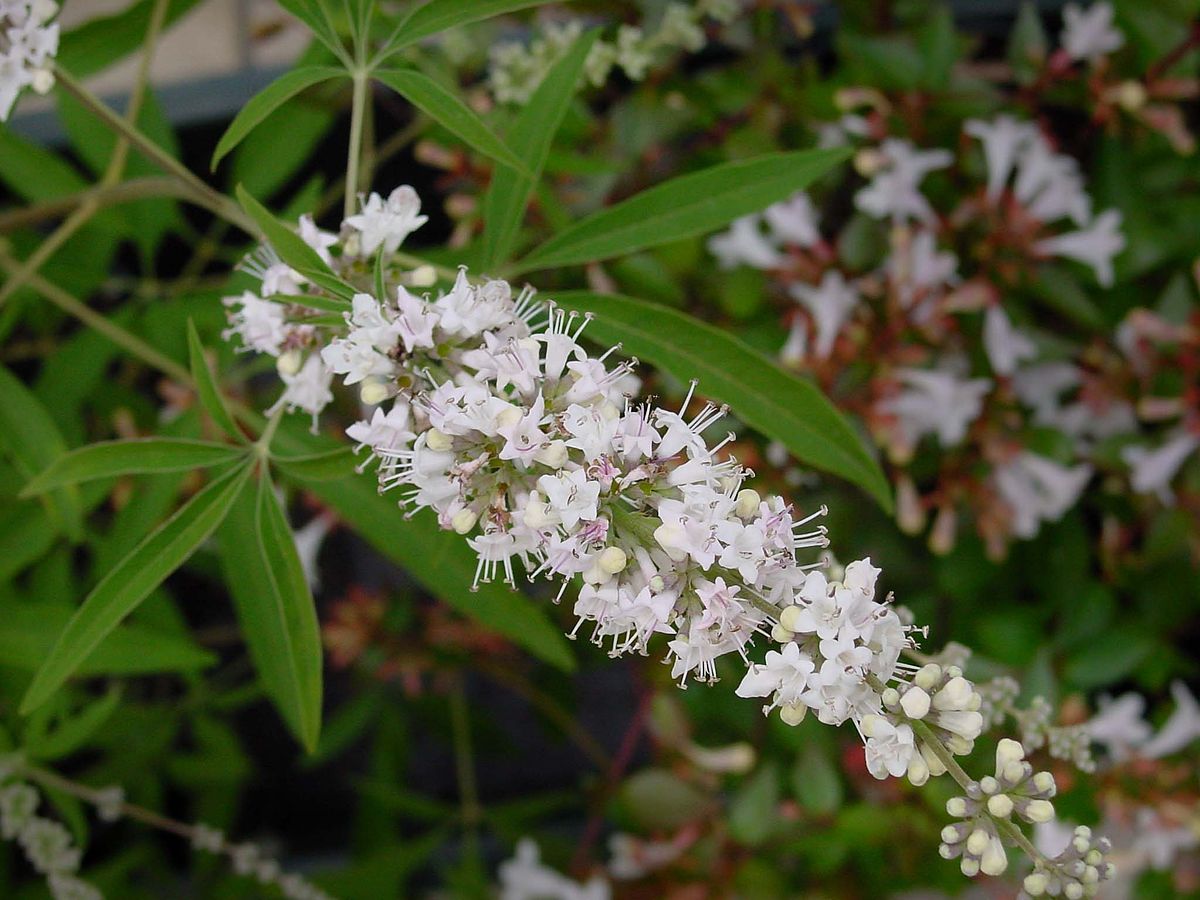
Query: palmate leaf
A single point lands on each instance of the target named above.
(109, 458)
(311, 14)
(32, 439)
(684, 207)
(131, 581)
(447, 110)
(774, 402)
(440, 15)
(440, 560)
(530, 138)
(275, 608)
(268, 100)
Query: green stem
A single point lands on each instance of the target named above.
(263, 444)
(358, 105)
(464, 763)
(115, 333)
(101, 197)
(55, 782)
(218, 202)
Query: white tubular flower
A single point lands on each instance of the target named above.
(1037, 489)
(1095, 246)
(1089, 34)
(745, 244)
(526, 877)
(938, 402)
(1152, 470)
(894, 190)
(890, 748)
(386, 223)
(1006, 346)
(28, 46)
(794, 221)
(1003, 138)
(830, 304)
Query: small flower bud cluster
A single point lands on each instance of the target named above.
(998, 695)
(1067, 742)
(47, 845)
(517, 69)
(1015, 789)
(28, 45)
(1075, 873)
(249, 860)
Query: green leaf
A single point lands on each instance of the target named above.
(34, 173)
(776, 403)
(815, 781)
(440, 560)
(439, 15)
(290, 247)
(127, 585)
(318, 466)
(530, 138)
(72, 734)
(313, 301)
(109, 458)
(447, 110)
(1108, 659)
(1027, 43)
(309, 12)
(206, 387)
(32, 439)
(28, 632)
(685, 206)
(275, 608)
(753, 812)
(268, 100)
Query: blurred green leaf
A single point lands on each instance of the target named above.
(1027, 43)
(275, 608)
(267, 101)
(71, 735)
(207, 390)
(439, 15)
(140, 455)
(660, 800)
(122, 589)
(774, 402)
(32, 439)
(688, 205)
(1108, 659)
(753, 812)
(530, 138)
(815, 781)
(450, 112)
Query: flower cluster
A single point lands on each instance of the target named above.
(46, 844)
(28, 44)
(491, 413)
(517, 69)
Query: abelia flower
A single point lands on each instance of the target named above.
(1089, 34)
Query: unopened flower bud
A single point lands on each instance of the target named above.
(1073, 890)
(422, 276)
(954, 695)
(1040, 811)
(994, 860)
(915, 703)
(790, 618)
(1131, 95)
(977, 842)
(1044, 782)
(793, 714)
(1036, 883)
(928, 676)
(289, 363)
(747, 503)
(437, 441)
(969, 867)
(867, 725)
(1000, 806)
(890, 698)
(781, 634)
(957, 807)
(373, 393)
(553, 455)
(43, 81)
(613, 560)
(508, 417)
(989, 785)
(868, 161)
(1008, 751)
(918, 771)
(464, 520)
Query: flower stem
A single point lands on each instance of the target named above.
(216, 201)
(358, 106)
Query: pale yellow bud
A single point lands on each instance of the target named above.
(373, 393)
(613, 560)
(1000, 805)
(793, 714)
(790, 618)
(554, 454)
(289, 363)
(437, 441)
(464, 520)
(747, 502)
(915, 703)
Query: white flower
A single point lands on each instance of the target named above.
(1002, 139)
(1151, 471)
(1038, 489)
(893, 192)
(1094, 246)
(890, 747)
(632, 857)
(786, 674)
(1049, 185)
(309, 539)
(830, 305)
(1119, 725)
(306, 390)
(918, 267)
(386, 430)
(570, 496)
(1006, 347)
(744, 244)
(319, 240)
(1180, 730)
(1089, 34)
(794, 221)
(525, 877)
(27, 47)
(936, 401)
(261, 324)
(386, 223)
